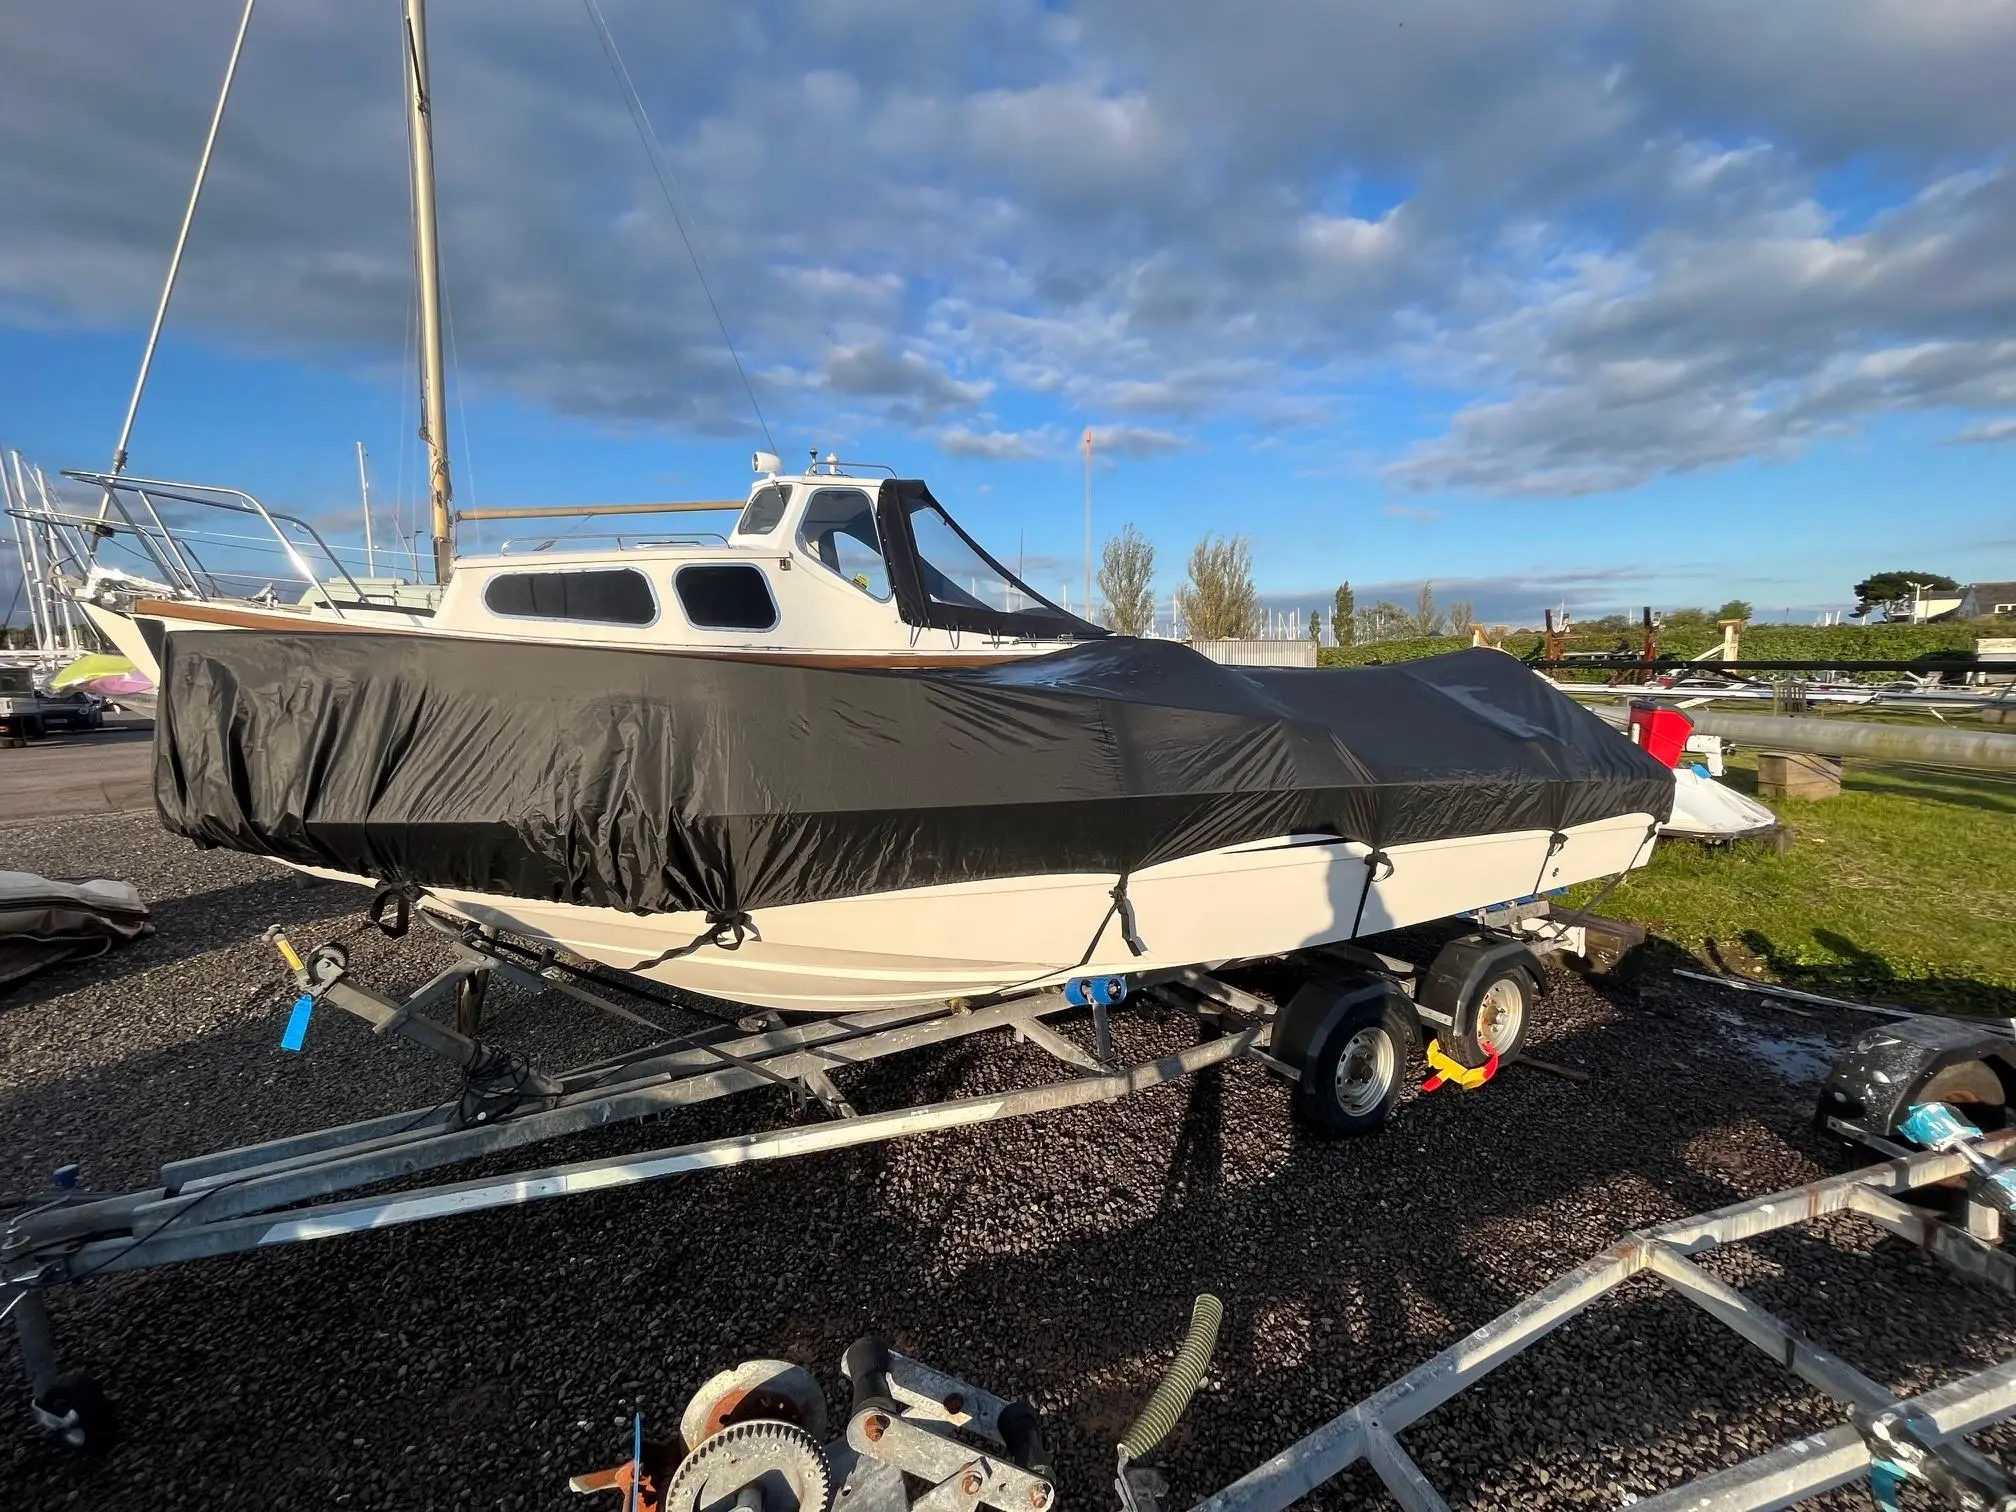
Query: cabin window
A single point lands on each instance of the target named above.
(726, 597)
(839, 529)
(764, 511)
(616, 596)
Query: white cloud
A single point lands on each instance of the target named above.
(1136, 441)
(999, 445)
(1987, 432)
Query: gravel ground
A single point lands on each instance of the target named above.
(476, 1362)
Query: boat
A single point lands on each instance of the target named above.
(837, 756)
(818, 833)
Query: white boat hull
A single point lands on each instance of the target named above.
(929, 944)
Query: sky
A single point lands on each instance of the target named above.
(1556, 302)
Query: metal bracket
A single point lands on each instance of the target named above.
(961, 1477)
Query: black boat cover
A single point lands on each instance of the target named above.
(653, 781)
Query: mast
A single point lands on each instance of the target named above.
(1088, 522)
(427, 257)
(364, 487)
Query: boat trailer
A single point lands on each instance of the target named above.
(751, 1436)
(1344, 1035)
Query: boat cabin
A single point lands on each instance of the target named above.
(825, 561)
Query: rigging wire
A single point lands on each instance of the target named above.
(649, 138)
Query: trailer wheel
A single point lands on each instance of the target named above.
(1500, 1012)
(1351, 1077)
(1975, 1092)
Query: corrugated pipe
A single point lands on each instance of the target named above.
(1987, 750)
(1185, 1373)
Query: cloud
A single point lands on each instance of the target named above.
(1988, 431)
(1602, 242)
(1136, 441)
(916, 385)
(1000, 446)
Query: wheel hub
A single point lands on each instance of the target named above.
(1501, 1012)
(1365, 1071)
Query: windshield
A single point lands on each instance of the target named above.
(956, 572)
(839, 529)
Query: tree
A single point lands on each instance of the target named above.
(1735, 609)
(1219, 601)
(1343, 614)
(1381, 620)
(1683, 619)
(1126, 565)
(1461, 615)
(1316, 626)
(1426, 618)
(1883, 588)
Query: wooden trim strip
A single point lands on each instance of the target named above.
(285, 622)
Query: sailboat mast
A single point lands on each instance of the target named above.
(427, 255)
(364, 488)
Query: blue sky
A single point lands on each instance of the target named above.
(1560, 302)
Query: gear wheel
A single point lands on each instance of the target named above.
(766, 1391)
(786, 1460)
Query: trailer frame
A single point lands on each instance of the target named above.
(318, 1184)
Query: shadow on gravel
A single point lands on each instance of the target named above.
(478, 1361)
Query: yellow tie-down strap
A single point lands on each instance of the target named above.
(1446, 1069)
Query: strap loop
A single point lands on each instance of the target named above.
(1373, 861)
(726, 930)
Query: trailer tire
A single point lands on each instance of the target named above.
(1354, 1071)
(1498, 1016)
(1973, 1089)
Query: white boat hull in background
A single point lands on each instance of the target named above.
(928, 944)
(1704, 809)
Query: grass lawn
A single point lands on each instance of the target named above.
(1901, 890)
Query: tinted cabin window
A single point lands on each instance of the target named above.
(764, 510)
(726, 597)
(620, 596)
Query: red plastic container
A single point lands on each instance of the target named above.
(1661, 731)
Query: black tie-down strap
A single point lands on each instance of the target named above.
(726, 929)
(1554, 843)
(497, 1082)
(400, 898)
(1651, 834)
(1122, 906)
(1373, 861)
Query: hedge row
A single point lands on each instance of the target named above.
(1763, 642)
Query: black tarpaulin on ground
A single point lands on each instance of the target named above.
(650, 781)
